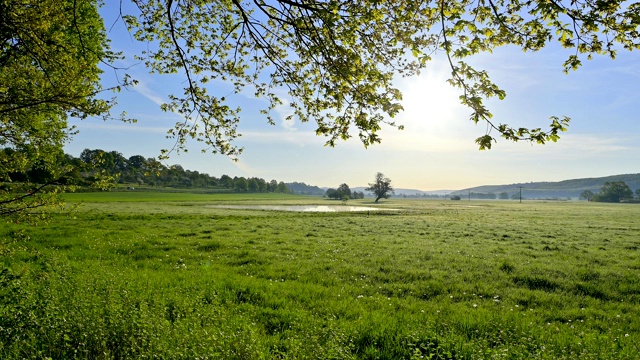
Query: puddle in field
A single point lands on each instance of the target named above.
(301, 208)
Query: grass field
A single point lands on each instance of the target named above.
(145, 275)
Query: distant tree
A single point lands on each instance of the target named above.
(273, 186)
(381, 188)
(455, 197)
(194, 178)
(637, 194)
(177, 168)
(118, 160)
(587, 195)
(282, 188)
(136, 161)
(262, 185)
(89, 156)
(226, 181)
(344, 190)
(252, 183)
(240, 184)
(332, 194)
(614, 191)
(503, 195)
(357, 195)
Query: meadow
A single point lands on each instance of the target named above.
(165, 275)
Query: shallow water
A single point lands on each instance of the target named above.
(301, 208)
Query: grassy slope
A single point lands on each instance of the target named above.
(165, 275)
(565, 188)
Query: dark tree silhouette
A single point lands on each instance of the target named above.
(381, 187)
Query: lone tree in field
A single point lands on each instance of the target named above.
(381, 187)
(344, 190)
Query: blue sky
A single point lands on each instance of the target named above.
(435, 151)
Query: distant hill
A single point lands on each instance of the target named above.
(549, 190)
(304, 189)
(532, 190)
(411, 193)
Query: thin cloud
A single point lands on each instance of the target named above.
(145, 91)
(593, 144)
(299, 138)
(284, 110)
(246, 169)
(578, 146)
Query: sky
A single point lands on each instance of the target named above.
(435, 151)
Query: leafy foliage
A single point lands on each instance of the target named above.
(49, 56)
(613, 191)
(587, 195)
(344, 189)
(99, 169)
(343, 193)
(337, 59)
(381, 188)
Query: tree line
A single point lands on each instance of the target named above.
(343, 192)
(381, 189)
(104, 169)
(612, 191)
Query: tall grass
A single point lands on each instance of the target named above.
(437, 280)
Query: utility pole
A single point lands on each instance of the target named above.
(469, 194)
(520, 194)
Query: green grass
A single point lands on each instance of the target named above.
(140, 275)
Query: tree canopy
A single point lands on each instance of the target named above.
(337, 59)
(343, 192)
(381, 187)
(94, 166)
(587, 195)
(49, 56)
(613, 191)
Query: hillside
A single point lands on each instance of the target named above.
(304, 189)
(561, 189)
(532, 190)
(410, 192)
